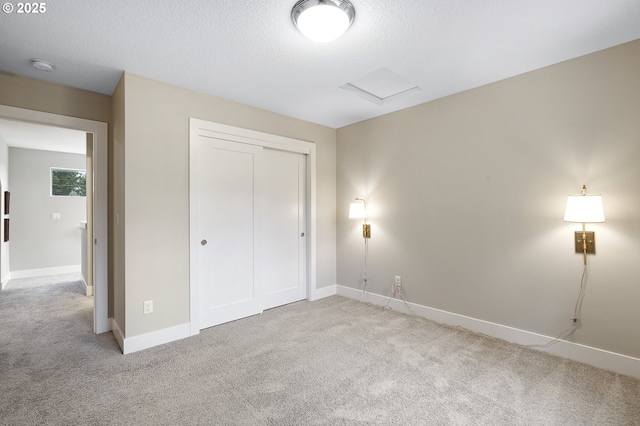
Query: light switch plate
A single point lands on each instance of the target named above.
(55, 216)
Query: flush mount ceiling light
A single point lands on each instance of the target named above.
(42, 65)
(323, 20)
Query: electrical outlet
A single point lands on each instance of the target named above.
(396, 288)
(148, 306)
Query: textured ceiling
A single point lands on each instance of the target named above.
(250, 52)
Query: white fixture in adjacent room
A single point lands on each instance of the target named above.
(323, 20)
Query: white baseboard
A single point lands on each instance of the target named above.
(5, 281)
(117, 333)
(88, 289)
(322, 292)
(144, 341)
(43, 272)
(155, 338)
(612, 361)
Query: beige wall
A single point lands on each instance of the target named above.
(116, 208)
(467, 195)
(156, 192)
(37, 95)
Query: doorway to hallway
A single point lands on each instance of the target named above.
(98, 132)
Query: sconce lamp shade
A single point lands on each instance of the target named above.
(584, 209)
(357, 211)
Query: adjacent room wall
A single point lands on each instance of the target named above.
(467, 195)
(156, 193)
(37, 240)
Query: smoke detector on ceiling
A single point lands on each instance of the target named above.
(42, 65)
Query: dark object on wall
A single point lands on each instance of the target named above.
(6, 230)
(7, 197)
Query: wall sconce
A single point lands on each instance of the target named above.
(584, 208)
(358, 210)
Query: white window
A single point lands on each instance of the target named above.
(68, 182)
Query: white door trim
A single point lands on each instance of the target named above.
(198, 128)
(99, 130)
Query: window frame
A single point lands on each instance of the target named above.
(65, 169)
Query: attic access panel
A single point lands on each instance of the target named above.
(381, 86)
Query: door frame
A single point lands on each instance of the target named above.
(202, 128)
(100, 204)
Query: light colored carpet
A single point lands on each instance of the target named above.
(332, 362)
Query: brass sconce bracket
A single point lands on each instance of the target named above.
(590, 239)
(366, 230)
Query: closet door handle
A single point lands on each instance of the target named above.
(203, 242)
(302, 234)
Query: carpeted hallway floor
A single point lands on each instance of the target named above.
(332, 362)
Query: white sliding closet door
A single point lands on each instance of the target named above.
(251, 229)
(285, 254)
(230, 219)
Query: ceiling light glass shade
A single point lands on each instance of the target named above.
(357, 211)
(323, 20)
(584, 208)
